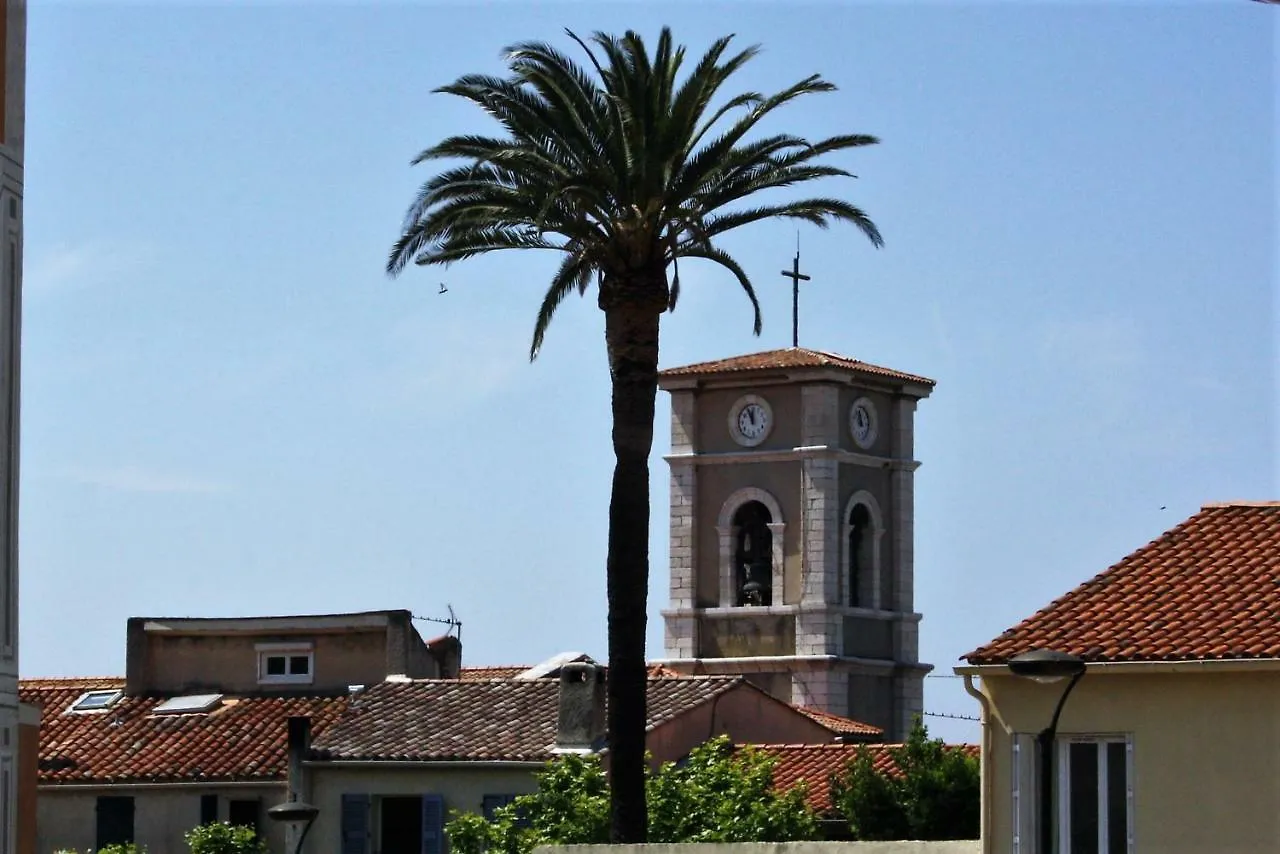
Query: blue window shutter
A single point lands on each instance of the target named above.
(432, 824)
(355, 824)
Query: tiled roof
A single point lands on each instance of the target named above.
(493, 671)
(244, 738)
(837, 724)
(508, 671)
(499, 719)
(790, 358)
(816, 764)
(1207, 589)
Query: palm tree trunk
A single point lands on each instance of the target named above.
(632, 311)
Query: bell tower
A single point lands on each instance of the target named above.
(792, 527)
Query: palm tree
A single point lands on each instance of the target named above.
(624, 171)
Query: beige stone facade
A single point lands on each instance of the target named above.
(818, 622)
(236, 655)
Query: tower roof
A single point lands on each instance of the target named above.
(790, 358)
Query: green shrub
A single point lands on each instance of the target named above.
(934, 794)
(219, 837)
(123, 848)
(717, 794)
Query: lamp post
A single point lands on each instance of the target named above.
(292, 814)
(1045, 666)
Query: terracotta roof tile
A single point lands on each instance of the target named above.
(816, 764)
(508, 671)
(789, 359)
(1207, 589)
(497, 719)
(837, 724)
(493, 671)
(242, 739)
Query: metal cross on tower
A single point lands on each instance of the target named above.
(796, 277)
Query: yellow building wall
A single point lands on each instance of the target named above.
(67, 817)
(188, 662)
(1206, 764)
(463, 790)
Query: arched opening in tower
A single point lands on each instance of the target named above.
(860, 558)
(753, 555)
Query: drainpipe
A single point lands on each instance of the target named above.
(984, 764)
(298, 745)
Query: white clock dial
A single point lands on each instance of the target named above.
(750, 420)
(753, 421)
(862, 422)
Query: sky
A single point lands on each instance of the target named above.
(228, 408)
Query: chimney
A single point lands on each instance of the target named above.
(447, 652)
(136, 676)
(580, 726)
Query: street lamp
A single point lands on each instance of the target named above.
(292, 814)
(1048, 665)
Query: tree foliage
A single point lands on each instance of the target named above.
(621, 166)
(717, 794)
(934, 792)
(220, 837)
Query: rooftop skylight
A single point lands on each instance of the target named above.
(190, 704)
(95, 701)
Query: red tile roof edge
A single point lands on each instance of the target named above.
(839, 723)
(788, 358)
(1215, 524)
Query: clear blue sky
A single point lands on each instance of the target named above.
(228, 409)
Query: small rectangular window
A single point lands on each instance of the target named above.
(114, 820)
(208, 809)
(95, 701)
(244, 813)
(285, 663)
(490, 804)
(191, 704)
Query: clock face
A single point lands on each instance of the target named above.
(750, 420)
(753, 422)
(862, 422)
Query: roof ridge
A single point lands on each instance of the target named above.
(67, 680)
(1242, 502)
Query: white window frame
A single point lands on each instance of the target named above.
(286, 651)
(115, 694)
(1063, 785)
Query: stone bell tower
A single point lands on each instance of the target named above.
(791, 530)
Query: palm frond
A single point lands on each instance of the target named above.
(574, 274)
(623, 162)
(719, 256)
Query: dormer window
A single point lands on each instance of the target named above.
(95, 701)
(285, 664)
